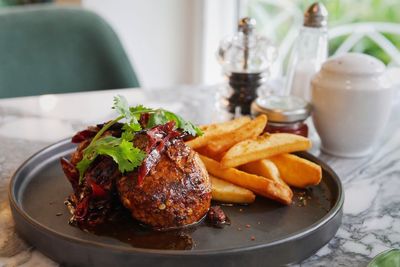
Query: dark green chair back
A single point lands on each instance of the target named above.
(48, 49)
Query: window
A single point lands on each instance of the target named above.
(280, 20)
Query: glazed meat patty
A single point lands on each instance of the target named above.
(170, 189)
(175, 192)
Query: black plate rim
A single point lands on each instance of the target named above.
(159, 252)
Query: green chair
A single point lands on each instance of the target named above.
(48, 49)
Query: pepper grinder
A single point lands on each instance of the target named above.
(246, 58)
(310, 50)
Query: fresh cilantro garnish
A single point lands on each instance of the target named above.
(157, 116)
(122, 150)
(122, 107)
(162, 116)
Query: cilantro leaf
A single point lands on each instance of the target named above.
(132, 127)
(180, 123)
(128, 132)
(120, 150)
(157, 118)
(124, 153)
(139, 109)
(162, 116)
(131, 157)
(122, 107)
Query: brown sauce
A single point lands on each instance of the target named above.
(125, 229)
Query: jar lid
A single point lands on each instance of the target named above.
(283, 109)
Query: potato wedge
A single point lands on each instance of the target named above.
(258, 184)
(209, 152)
(229, 193)
(213, 131)
(262, 147)
(250, 130)
(296, 171)
(265, 168)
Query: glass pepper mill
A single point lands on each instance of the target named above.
(246, 58)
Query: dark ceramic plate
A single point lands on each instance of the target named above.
(264, 233)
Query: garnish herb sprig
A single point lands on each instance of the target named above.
(121, 150)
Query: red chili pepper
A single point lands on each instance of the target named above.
(83, 135)
(71, 172)
(144, 119)
(158, 138)
(82, 208)
(97, 190)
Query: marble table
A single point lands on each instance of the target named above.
(371, 221)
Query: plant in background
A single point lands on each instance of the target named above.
(340, 12)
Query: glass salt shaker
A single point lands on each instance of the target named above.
(246, 58)
(309, 52)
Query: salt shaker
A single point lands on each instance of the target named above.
(351, 98)
(246, 58)
(309, 52)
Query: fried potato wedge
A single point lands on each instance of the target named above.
(265, 168)
(213, 131)
(296, 171)
(258, 184)
(208, 151)
(249, 130)
(262, 147)
(229, 193)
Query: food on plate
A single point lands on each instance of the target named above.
(216, 217)
(258, 162)
(296, 171)
(165, 171)
(264, 146)
(265, 168)
(258, 184)
(216, 147)
(226, 192)
(176, 191)
(142, 164)
(213, 131)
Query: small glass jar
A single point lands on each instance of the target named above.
(286, 114)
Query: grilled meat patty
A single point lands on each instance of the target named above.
(175, 192)
(170, 189)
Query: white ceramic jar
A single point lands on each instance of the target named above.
(351, 101)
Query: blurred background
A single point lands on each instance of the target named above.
(177, 43)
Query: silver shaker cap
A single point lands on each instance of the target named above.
(316, 16)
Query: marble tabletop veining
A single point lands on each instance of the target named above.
(371, 219)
